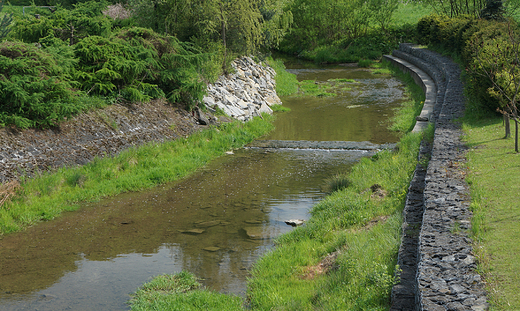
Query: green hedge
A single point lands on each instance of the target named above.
(481, 46)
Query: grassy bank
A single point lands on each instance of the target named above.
(344, 258)
(494, 178)
(48, 195)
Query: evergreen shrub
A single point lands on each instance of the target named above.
(35, 90)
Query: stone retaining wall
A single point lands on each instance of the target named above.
(445, 276)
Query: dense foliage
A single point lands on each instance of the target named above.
(343, 31)
(69, 61)
(5, 21)
(485, 48)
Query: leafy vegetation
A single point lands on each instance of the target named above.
(348, 31)
(488, 50)
(4, 22)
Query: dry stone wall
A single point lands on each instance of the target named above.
(445, 276)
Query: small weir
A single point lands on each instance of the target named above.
(217, 222)
(317, 145)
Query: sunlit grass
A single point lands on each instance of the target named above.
(362, 275)
(47, 196)
(401, 122)
(180, 292)
(286, 82)
(494, 179)
(280, 108)
(315, 89)
(410, 12)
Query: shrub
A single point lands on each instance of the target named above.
(466, 37)
(35, 90)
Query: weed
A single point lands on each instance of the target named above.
(364, 63)
(456, 229)
(338, 182)
(8, 191)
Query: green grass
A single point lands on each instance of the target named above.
(359, 223)
(346, 222)
(494, 179)
(401, 122)
(280, 108)
(47, 196)
(410, 12)
(179, 292)
(314, 89)
(286, 82)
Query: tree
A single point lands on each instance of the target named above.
(382, 11)
(454, 8)
(235, 24)
(499, 61)
(494, 10)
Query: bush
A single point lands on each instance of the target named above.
(467, 37)
(35, 90)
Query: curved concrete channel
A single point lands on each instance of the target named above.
(438, 269)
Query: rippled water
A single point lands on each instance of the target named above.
(215, 223)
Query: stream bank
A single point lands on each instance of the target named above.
(108, 131)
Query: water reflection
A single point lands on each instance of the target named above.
(359, 112)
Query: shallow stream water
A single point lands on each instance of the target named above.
(215, 223)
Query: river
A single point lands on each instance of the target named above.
(215, 223)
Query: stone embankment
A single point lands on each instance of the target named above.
(245, 94)
(108, 131)
(436, 258)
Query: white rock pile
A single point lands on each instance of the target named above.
(245, 94)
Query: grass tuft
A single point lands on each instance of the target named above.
(338, 182)
(180, 292)
(280, 108)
